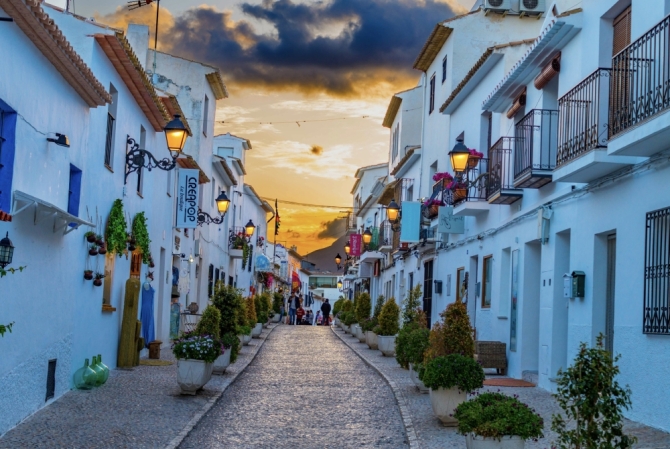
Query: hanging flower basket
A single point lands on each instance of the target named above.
(460, 194)
(474, 158)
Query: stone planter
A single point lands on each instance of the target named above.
(355, 330)
(444, 402)
(361, 334)
(246, 339)
(192, 375)
(415, 378)
(257, 330)
(276, 318)
(386, 345)
(236, 253)
(336, 322)
(222, 362)
(346, 329)
(371, 340)
(477, 442)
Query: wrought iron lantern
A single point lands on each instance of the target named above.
(176, 134)
(222, 204)
(459, 156)
(6, 251)
(347, 249)
(249, 229)
(393, 215)
(339, 285)
(367, 237)
(338, 261)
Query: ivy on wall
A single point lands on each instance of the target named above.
(141, 236)
(115, 234)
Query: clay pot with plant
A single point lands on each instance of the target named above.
(90, 237)
(102, 250)
(98, 279)
(93, 250)
(99, 240)
(88, 275)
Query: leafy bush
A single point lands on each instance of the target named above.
(369, 324)
(411, 344)
(494, 415)
(591, 397)
(453, 335)
(197, 347)
(337, 306)
(141, 236)
(347, 306)
(411, 305)
(349, 318)
(277, 302)
(388, 319)
(244, 330)
(363, 307)
(230, 304)
(378, 306)
(210, 322)
(252, 318)
(452, 371)
(230, 342)
(116, 233)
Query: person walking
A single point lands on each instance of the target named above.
(294, 304)
(325, 309)
(281, 313)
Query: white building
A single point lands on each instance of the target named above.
(571, 137)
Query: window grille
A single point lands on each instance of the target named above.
(657, 273)
(108, 141)
(432, 95)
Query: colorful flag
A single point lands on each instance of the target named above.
(295, 281)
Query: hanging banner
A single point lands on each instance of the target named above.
(449, 224)
(410, 222)
(187, 198)
(295, 282)
(356, 244)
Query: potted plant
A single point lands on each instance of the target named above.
(412, 318)
(209, 324)
(93, 250)
(388, 327)
(195, 361)
(460, 190)
(592, 401)
(98, 240)
(446, 176)
(245, 334)
(417, 344)
(474, 158)
(140, 237)
(115, 234)
(102, 250)
(450, 378)
(277, 303)
(252, 318)
(363, 310)
(88, 275)
(90, 236)
(497, 421)
(370, 335)
(98, 279)
(432, 207)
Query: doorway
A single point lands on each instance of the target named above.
(610, 293)
(161, 295)
(428, 290)
(530, 308)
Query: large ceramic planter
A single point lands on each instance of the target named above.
(386, 345)
(192, 375)
(336, 322)
(444, 402)
(415, 378)
(371, 340)
(276, 318)
(355, 330)
(246, 339)
(477, 442)
(257, 330)
(222, 362)
(346, 329)
(361, 334)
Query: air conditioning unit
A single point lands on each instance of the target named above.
(497, 5)
(532, 7)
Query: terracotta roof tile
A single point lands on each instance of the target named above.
(4, 216)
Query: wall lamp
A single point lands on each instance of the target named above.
(338, 261)
(222, 204)
(393, 215)
(6, 251)
(137, 158)
(61, 140)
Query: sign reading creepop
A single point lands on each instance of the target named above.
(187, 198)
(356, 242)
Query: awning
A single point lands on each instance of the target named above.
(263, 264)
(371, 256)
(189, 162)
(46, 211)
(388, 193)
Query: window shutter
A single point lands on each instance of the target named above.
(622, 31)
(620, 83)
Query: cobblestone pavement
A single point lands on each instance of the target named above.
(138, 408)
(432, 435)
(305, 389)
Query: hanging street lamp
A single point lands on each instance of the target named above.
(393, 215)
(338, 261)
(367, 237)
(459, 156)
(6, 251)
(347, 249)
(249, 229)
(222, 204)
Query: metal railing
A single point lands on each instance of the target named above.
(501, 173)
(640, 86)
(236, 234)
(583, 117)
(385, 234)
(537, 140)
(475, 179)
(656, 314)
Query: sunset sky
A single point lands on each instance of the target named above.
(291, 60)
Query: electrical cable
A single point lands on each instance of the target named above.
(306, 204)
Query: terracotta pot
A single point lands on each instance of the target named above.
(88, 275)
(102, 250)
(444, 402)
(93, 252)
(97, 282)
(473, 161)
(460, 194)
(90, 238)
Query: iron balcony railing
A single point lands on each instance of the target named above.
(537, 139)
(385, 234)
(236, 236)
(501, 173)
(583, 117)
(640, 86)
(474, 181)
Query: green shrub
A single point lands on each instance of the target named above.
(378, 306)
(411, 305)
(116, 234)
(231, 343)
(337, 306)
(388, 319)
(494, 415)
(230, 305)
(369, 324)
(452, 371)
(363, 307)
(277, 302)
(593, 400)
(244, 330)
(210, 322)
(347, 305)
(411, 344)
(349, 318)
(252, 318)
(453, 335)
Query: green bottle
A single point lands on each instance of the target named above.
(85, 378)
(99, 372)
(104, 367)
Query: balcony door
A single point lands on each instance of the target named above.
(428, 290)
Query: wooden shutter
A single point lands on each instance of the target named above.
(620, 107)
(622, 31)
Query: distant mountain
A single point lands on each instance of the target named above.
(324, 258)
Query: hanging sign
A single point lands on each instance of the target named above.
(448, 223)
(356, 244)
(187, 198)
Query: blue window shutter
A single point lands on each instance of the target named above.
(410, 222)
(7, 148)
(74, 194)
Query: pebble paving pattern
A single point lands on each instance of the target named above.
(304, 389)
(431, 434)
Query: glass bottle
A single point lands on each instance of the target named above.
(99, 372)
(85, 378)
(104, 367)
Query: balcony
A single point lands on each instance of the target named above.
(640, 95)
(583, 131)
(236, 239)
(501, 189)
(472, 200)
(535, 155)
(385, 237)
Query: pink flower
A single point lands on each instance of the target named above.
(475, 153)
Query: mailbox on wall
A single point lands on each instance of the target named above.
(573, 284)
(567, 285)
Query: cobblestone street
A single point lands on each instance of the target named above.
(305, 389)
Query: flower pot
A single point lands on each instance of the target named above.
(386, 345)
(336, 322)
(257, 330)
(193, 308)
(192, 375)
(355, 329)
(361, 334)
(97, 282)
(236, 253)
(473, 441)
(473, 161)
(102, 250)
(276, 318)
(460, 194)
(245, 340)
(93, 252)
(99, 242)
(90, 238)
(415, 378)
(346, 328)
(152, 265)
(88, 275)
(444, 402)
(131, 248)
(371, 340)
(221, 363)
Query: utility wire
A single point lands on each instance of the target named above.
(298, 122)
(306, 204)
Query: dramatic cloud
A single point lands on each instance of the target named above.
(332, 229)
(341, 47)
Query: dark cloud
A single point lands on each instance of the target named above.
(341, 46)
(332, 229)
(293, 234)
(316, 150)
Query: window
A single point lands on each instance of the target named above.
(205, 116)
(486, 281)
(444, 70)
(656, 274)
(322, 282)
(621, 25)
(431, 107)
(210, 281)
(7, 128)
(143, 146)
(74, 192)
(111, 127)
(51, 379)
(110, 260)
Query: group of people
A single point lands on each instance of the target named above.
(298, 316)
